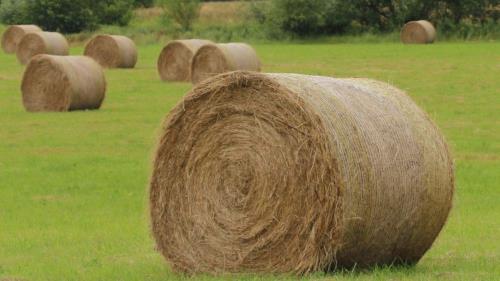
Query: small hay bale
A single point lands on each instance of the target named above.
(174, 63)
(214, 59)
(62, 83)
(418, 32)
(112, 51)
(282, 173)
(35, 43)
(13, 35)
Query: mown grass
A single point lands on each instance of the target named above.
(73, 186)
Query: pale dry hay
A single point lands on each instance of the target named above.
(418, 32)
(112, 51)
(174, 62)
(214, 59)
(13, 35)
(293, 173)
(35, 43)
(62, 83)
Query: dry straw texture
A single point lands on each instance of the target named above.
(112, 51)
(418, 32)
(56, 83)
(295, 173)
(36, 43)
(214, 59)
(13, 35)
(174, 63)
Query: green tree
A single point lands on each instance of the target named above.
(14, 12)
(183, 12)
(67, 16)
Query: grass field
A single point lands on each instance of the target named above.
(73, 186)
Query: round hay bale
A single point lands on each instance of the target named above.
(57, 83)
(292, 173)
(13, 35)
(35, 43)
(174, 63)
(418, 32)
(214, 59)
(112, 51)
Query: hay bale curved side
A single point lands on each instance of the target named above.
(35, 43)
(174, 62)
(214, 59)
(293, 173)
(418, 32)
(112, 51)
(62, 83)
(13, 35)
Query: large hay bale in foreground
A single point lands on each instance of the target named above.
(174, 62)
(418, 32)
(295, 173)
(112, 51)
(35, 43)
(62, 83)
(13, 35)
(214, 59)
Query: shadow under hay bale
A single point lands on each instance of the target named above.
(13, 35)
(282, 173)
(214, 59)
(174, 62)
(62, 83)
(418, 32)
(112, 51)
(35, 43)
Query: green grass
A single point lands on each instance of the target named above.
(73, 186)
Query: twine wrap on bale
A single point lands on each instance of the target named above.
(13, 35)
(214, 59)
(55, 83)
(174, 63)
(418, 32)
(112, 51)
(294, 173)
(35, 43)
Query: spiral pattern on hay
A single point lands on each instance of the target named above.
(112, 51)
(62, 83)
(174, 62)
(215, 59)
(13, 35)
(36, 43)
(418, 32)
(292, 173)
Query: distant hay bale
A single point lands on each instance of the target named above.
(62, 83)
(282, 173)
(35, 43)
(214, 59)
(13, 35)
(112, 51)
(174, 63)
(418, 32)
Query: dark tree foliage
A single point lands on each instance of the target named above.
(313, 17)
(67, 16)
(144, 3)
(14, 12)
(117, 12)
